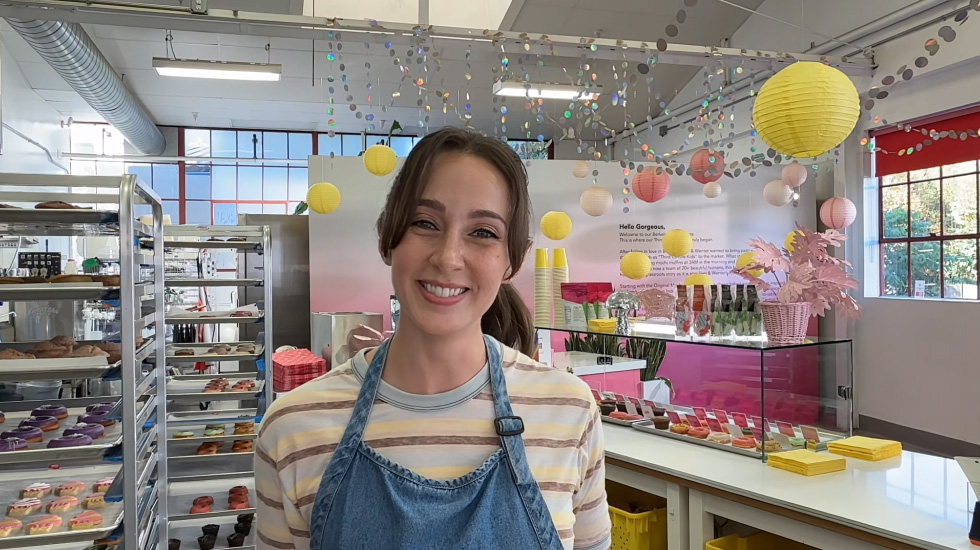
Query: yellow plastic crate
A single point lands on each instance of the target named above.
(643, 531)
(758, 541)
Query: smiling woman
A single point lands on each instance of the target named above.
(446, 432)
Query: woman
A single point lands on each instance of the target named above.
(445, 436)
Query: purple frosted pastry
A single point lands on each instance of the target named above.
(94, 431)
(3, 417)
(29, 434)
(12, 444)
(77, 440)
(99, 408)
(96, 418)
(58, 411)
(46, 423)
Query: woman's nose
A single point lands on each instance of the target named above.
(449, 253)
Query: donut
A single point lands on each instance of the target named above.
(744, 442)
(244, 428)
(24, 507)
(214, 432)
(12, 444)
(94, 431)
(89, 519)
(44, 524)
(208, 449)
(46, 423)
(797, 441)
(3, 417)
(35, 490)
(58, 411)
(94, 501)
(205, 500)
(103, 484)
(186, 434)
(29, 434)
(99, 408)
(238, 490)
(70, 488)
(680, 428)
(720, 438)
(76, 440)
(700, 433)
(96, 418)
(61, 505)
(10, 526)
(770, 446)
(242, 446)
(200, 509)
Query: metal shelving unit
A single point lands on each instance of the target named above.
(130, 452)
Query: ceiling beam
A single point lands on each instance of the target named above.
(113, 12)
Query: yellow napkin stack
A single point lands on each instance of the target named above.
(806, 463)
(607, 326)
(865, 448)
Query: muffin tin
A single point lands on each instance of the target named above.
(40, 452)
(181, 495)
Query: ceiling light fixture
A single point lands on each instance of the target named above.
(546, 91)
(219, 70)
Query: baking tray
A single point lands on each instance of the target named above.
(192, 418)
(65, 368)
(647, 426)
(38, 452)
(58, 223)
(199, 433)
(213, 282)
(233, 245)
(12, 482)
(619, 422)
(181, 495)
(58, 291)
(201, 348)
(193, 390)
(188, 531)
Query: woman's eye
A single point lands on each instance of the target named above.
(485, 234)
(424, 224)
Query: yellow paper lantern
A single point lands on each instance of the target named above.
(678, 243)
(746, 259)
(806, 109)
(635, 265)
(596, 201)
(380, 160)
(791, 240)
(556, 225)
(698, 279)
(323, 198)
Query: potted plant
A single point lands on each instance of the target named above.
(814, 281)
(656, 388)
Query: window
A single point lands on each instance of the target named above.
(531, 150)
(929, 231)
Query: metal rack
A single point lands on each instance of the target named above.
(135, 501)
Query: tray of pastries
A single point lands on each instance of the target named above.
(214, 351)
(54, 432)
(62, 357)
(210, 533)
(214, 389)
(210, 498)
(242, 315)
(191, 419)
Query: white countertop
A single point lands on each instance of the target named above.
(584, 363)
(918, 499)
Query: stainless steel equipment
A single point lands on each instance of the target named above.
(332, 330)
(43, 320)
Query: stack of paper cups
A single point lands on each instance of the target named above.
(559, 275)
(542, 288)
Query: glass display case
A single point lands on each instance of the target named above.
(800, 393)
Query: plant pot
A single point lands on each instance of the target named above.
(656, 391)
(785, 323)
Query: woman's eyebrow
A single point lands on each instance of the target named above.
(479, 213)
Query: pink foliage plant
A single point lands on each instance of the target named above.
(811, 274)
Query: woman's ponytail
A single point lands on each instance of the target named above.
(509, 321)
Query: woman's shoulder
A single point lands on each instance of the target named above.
(526, 375)
(333, 392)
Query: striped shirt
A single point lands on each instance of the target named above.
(442, 437)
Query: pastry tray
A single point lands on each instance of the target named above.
(207, 317)
(181, 495)
(647, 426)
(199, 436)
(57, 291)
(193, 390)
(188, 531)
(217, 416)
(63, 368)
(54, 222)
(234, 245)
(619, 422)
(201, 348)
(12, 482)
(38, 452)
(212, 282)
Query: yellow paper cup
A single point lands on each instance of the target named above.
(541, 257)
(560, 259)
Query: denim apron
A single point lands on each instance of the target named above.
(367, 501)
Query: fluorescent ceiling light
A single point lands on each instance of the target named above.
(220, 70)
(546, 91)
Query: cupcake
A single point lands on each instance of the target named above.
(621, 407)
(243, 528)
(173, 544)
(246, 518)
(606, 410)
(659, 411)
(210, 529)
(236, 540)
(206, 542)
(661, 422)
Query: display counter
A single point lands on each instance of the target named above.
(912, 501)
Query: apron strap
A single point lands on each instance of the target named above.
(509, 427)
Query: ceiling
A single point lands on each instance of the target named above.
(383, 92)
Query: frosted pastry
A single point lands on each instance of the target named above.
(46, 423)
(89, 519)
(70, 488)
(30, 434)
(58, 411)
(744, 442)
(186, 434)
(94, 431)
(99, 408)
(103, 484)
(35, 490)
(97, 418)
(61, 505)
(661, 422)
(3, 417)
(10, 526)
(718, 437)
(797, 441)
(95, 501)
(700, 433)
(44, 524)
(214, 432)
(770, 446)
(76, 440)
(680, 428)
(24, 507)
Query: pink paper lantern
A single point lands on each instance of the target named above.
(703, 169)
(838, 212)
(651, 185)
(794, 174)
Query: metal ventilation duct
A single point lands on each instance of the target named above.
(70, 52)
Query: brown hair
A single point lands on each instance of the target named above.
(508, 319)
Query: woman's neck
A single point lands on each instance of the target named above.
(425, 365)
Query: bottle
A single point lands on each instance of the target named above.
(70, 267)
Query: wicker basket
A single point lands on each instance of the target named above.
(785, 323)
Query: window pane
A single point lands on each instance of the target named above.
(249, 145)
(142, 210)
(275, 145)
(292, 208)
(109, 168)
(352, 144)
(960, 205)
(960, 168)
(197, 143)
(249, 183)
(402, 145)
(276, 184)
(172, 209)
(225, 213)
(273, 208)
(960, 269)
(925, 208)
(924, 174)
(224, 183)
(300, 145)
(896, 265)
(198, 212)
(327, 145)
(902, 177)
(925, 266)
(224, 143)
(166, 181)
(299, 182)
(197, 182)
(144, 171)
(250, 208)
(894, 206)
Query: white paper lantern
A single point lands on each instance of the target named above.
(838, 212)
(778, 193)
(580, 169)
(712, 190)
(794, 174)
(596, 201)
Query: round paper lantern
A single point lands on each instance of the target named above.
(838, 212)
(806, 109)
(380, 160)
(651, 185)
(323, 198)
(678, 243)
(635, 265)
(791, 240)
(707, 166)
(580, 169)
(698, 279)
(596, 201)
(746, 259)
(778, 193)
(794, 174)
(556, 225)
(712, 190)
